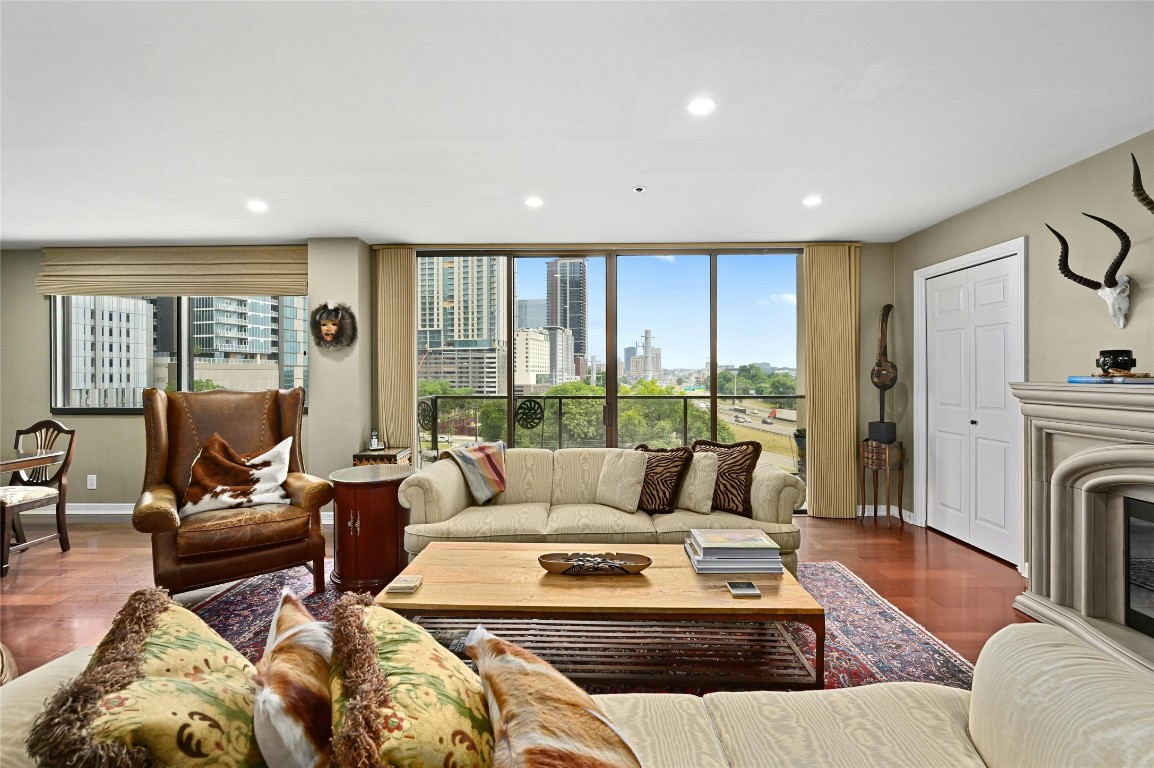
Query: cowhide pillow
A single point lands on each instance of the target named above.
(735, 465)
(293, 718)
(541, 719)
(224, 479)
(665, 470)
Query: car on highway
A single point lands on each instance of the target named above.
(767, 421)
(741, 419)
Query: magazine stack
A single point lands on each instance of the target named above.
(733, 550)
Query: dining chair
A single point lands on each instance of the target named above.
(42, 486)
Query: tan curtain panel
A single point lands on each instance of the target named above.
(832, 296)
(193, 271)
(396, 345)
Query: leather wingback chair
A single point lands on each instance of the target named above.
(216, 546)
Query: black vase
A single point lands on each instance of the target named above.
(1120, 359)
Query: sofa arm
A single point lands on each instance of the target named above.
(775, 494)
(435, 493)
(307, 491)
(1043, 697)
(156, 511)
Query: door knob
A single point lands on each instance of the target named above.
(972, 421)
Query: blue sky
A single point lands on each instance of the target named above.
(669, 295)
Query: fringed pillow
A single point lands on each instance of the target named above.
(162, 688)
(735, 465)
(665, 469)
(224, 479)
(540, 718)
(293, 720)
(401, 698)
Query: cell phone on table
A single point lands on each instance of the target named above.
(743, 589)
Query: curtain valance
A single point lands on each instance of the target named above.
(275, 270)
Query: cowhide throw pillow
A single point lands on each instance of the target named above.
(541, 719)
(224, 479)
(665, 469)
(293, 719)
(735, 465)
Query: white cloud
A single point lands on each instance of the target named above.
(666, 257)
(779, 298)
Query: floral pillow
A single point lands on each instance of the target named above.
(401, 698)
(161, 688)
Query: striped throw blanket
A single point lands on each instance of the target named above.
(483, 467)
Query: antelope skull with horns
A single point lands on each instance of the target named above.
(1114, 288)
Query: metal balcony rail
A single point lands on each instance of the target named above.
(436, 413)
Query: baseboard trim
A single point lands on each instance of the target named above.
(111, 513)
(867, 510)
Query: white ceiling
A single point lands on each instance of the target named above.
(430, 122)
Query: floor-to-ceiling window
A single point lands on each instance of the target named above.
(609, 347)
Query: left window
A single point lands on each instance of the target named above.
(108, 349)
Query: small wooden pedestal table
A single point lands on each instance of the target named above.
(369, 526)
(881, 457)
(666, 626)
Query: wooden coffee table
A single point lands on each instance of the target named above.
(666, 627)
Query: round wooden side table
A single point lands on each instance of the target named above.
(369, 526)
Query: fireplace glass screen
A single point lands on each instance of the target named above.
(1140, 565)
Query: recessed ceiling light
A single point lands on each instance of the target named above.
(257, 206)
(639, 189)
(812, 200)
(702, 106)
(534, 202)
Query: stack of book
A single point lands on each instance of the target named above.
(732, 550)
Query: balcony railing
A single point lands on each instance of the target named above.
(659, 421)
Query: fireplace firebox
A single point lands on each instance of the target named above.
(1140, 565)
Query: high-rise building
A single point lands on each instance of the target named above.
(530, 357)
(461, 334)
(110, 362)
(643, 360)
(531, 313)
(567, 303)
(561, 368)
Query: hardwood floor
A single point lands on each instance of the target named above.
(52, 602)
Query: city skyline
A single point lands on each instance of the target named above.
(668, 294)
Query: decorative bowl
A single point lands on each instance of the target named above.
(585, 564)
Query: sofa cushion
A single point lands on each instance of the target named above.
(666, 730)
(735, 464)
(674, 527)
(1097, 711)
(621, 480)
(400, 697)
(576, 472)
(506, 522)
(598, 523)
(665, 470)
(888, 725)
(22, 701)
(528, 476)
(161, 686)
(696, 493)
(540, 718)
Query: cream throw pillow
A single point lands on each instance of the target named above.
(696, 492)
(622, 477)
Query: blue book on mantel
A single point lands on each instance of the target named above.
(1110, 379)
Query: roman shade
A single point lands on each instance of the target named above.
(272, 270)
(832, 299)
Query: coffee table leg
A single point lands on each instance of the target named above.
(817, 624)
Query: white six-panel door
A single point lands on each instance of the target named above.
(973, 445)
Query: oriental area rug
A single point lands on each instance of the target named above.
(868, 640)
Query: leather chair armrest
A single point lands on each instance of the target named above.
(156, 510)
(308, 491)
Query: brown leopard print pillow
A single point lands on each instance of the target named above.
(735, 464)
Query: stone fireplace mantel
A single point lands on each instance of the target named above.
(1088, 447)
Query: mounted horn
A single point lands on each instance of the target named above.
(1114, 288)
(1139, 191)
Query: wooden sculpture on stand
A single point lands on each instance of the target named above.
(884, 375)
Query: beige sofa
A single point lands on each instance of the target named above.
(1041, 697)
(550, 496)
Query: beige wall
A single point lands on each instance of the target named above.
(1066, 323)
(877, 290)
